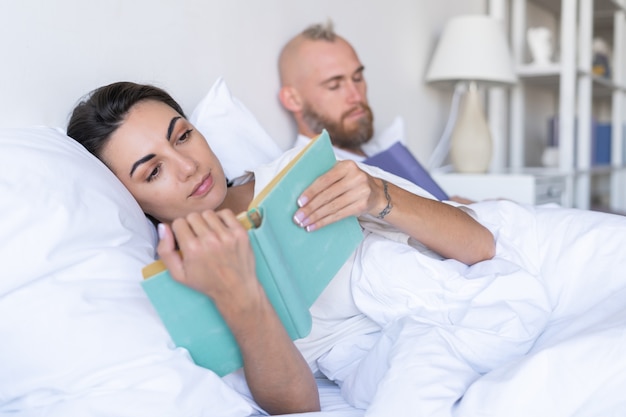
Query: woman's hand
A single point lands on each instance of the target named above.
(218, 260)
(345, 190)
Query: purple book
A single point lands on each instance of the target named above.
(398, 160)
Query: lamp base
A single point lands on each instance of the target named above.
(471, 143)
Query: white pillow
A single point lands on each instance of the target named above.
(232, 131)
(387, 137)
(78, 336)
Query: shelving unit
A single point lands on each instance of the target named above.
(577, 91)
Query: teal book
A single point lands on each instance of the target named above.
(293, 266)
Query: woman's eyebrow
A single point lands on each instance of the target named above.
(170, 128)
(141, 161)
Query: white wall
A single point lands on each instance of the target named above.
(55, 51)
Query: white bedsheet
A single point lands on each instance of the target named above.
(546, 339)
(333, 404)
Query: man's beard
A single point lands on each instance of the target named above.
(341, 137)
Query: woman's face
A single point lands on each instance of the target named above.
(165, 163)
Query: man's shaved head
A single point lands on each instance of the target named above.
(322, 85)
(292, 50)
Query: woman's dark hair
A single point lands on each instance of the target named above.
(97, 116)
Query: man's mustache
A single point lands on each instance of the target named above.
(358, 107)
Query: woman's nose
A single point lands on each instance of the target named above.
(187, 166)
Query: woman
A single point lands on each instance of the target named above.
(142, 135)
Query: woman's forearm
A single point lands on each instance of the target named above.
(277, 374)
(219, 263)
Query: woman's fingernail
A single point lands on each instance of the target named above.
(310, 228)
(161, 230)
(302, 201)
(300, 219)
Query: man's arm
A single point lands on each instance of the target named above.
(347, 190)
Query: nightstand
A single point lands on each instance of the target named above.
(525, 187)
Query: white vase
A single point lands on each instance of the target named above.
(471, 144)
(550, 157)
(540, 45)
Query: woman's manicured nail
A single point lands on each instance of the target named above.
(161, 230)
(302, 201)
(300, 219)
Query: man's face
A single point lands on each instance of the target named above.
(334, 94)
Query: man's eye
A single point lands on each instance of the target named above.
(154, 173)
(333, 86)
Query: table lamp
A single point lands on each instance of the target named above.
(471, 51)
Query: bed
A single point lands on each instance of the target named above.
(79, 337)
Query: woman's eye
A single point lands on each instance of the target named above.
(154, 173)
(185, 136)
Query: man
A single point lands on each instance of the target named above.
(323, 86)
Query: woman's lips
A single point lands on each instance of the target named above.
(203, 187)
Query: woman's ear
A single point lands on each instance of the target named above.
(290, 99)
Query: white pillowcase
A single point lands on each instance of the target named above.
(387, 137)
(78, 335)
(232, 131)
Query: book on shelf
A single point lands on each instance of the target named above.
(293, 266)
(398, 160)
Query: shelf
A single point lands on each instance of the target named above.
(604, 87)
(545, 171)
(604, 11)
(570, 88)
(537, 171)
(598, 170)
(542, 76)
(601, 7)
(602, 14)
(549, 76)
(594, 170)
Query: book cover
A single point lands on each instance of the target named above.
(398, 160)
(293, 265)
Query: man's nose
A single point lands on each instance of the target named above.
(354, 93)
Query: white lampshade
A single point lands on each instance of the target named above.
(472, 48)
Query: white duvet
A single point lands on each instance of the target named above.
(540, 330)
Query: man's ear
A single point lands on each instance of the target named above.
(290, 99)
